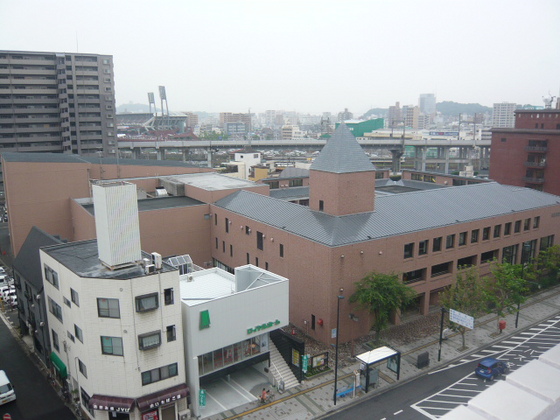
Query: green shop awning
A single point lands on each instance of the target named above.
(59, 365)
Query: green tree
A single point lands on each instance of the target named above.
(504, 289)
(545, 270)
(381, 294)
(465, 296)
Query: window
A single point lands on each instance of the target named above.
(55, 340)
(409, 250)
(509, 254)
(436, 247)
(224, 246)
(78, 333)
(282, 250)
(474, 236)
(112, 346)
(517, 226)
(51, 276)
(321, 205)
(440, 269)
(75, 297)
(312, 322)
(423, 247)
(247, 230)
(215, 219)
(55, 309)
(216, 242)
(466, 261)
(248, 258)
(147, 302)
(70, 336)
(536, 222)
(296, 183)
(227, 225)
(497, 231)
(257, 261)
(507, 229)
(487, 256)
(159, 374)
(546, 242)
(82, 368)
(462, 238)
(149, 340)
(260, 240)
(170, 333)
(168, 297)
(527, 224)
(108, 308)
(67, 302)
(414, 276)
(231, 250)
(486, 233)
(450, 241)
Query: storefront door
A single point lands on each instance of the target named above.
(113, 415)
(168, 413)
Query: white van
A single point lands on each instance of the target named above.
(7, 392)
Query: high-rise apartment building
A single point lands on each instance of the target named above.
(56, 102)
(427, 104)
(410, 114)
(503, 115)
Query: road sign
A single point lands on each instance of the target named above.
(6, 417)
(461, 319)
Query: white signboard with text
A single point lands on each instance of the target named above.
(461, 319)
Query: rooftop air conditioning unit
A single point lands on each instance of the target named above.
(156, 260)
(150, 268)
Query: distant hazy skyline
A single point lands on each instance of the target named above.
(309, 56)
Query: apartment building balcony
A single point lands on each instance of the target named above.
(533, 180)
(538, 149)
(31, 61)
(24, 101)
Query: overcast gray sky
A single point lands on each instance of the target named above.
(304, 55)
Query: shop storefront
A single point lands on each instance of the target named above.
(161, 405)
(227, 320)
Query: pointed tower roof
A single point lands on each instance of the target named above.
(342, 154)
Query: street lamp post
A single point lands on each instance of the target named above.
(340, 297)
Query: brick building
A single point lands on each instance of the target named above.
(528, 155)
(347, 230)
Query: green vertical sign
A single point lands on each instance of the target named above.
(202, 398)
(305, 363)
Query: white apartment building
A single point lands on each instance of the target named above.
(226, 323)
(114, 316)
(503, 115)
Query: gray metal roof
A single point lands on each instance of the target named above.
(82, 259)
(158, 203)
(394, 214)
(27, 263)
(293, 193)
(294, 173)
(342, 154)
(70, 158)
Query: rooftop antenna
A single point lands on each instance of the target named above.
(249, 132)
(548, 101)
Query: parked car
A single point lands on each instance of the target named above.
(8, 294)
(4, 289)
(490, 368)
(7, 392)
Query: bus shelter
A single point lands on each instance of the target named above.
(376, 356)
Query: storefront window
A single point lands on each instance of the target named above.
(230, 355)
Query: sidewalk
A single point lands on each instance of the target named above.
(313, 398)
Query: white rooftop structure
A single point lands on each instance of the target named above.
(212, 181)
(376, 355)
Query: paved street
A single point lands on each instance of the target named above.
(313, 399)
(36, 400)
